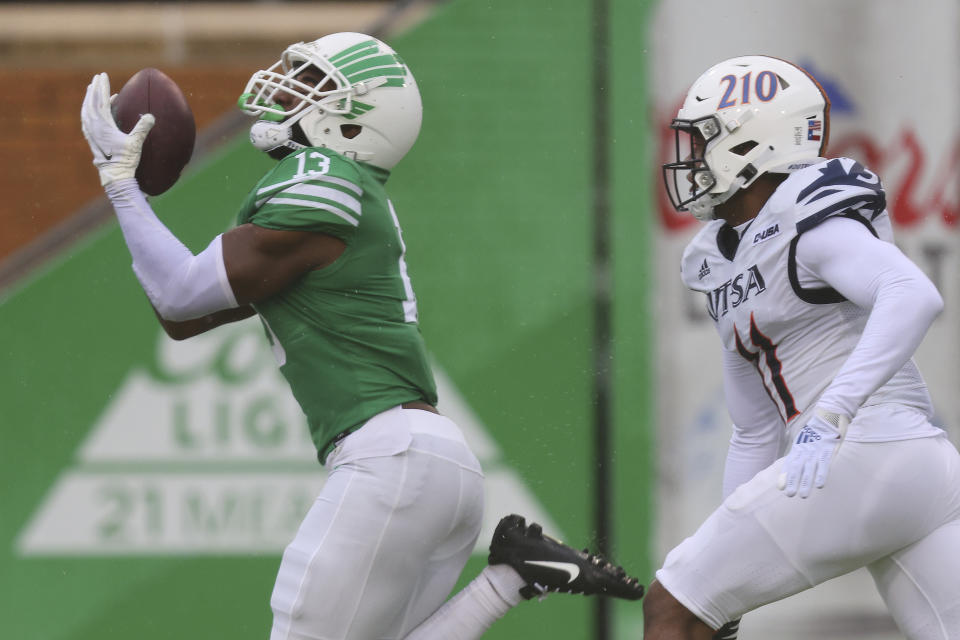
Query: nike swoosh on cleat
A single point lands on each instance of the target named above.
(571, 569)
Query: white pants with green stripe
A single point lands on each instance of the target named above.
(388, 536)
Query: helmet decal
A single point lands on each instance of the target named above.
(358, 109)
(765, 88)
(364, 61)
(814, 128)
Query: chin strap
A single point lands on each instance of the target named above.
(267, 135)
(703, 208)
(276, 139)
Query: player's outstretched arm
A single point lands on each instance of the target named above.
(243, 266)
(191, 293)
(180, 285)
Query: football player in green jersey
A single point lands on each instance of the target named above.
(317, 253)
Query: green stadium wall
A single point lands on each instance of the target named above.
(496, 207)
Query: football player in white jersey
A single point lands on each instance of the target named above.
(818, 315)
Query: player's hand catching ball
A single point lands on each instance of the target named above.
(808, 461)
(115, 153)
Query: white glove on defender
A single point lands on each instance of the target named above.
(808, 462)
(115, 153)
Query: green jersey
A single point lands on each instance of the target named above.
(346, 336)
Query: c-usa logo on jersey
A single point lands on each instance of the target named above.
(734, 292)
(766, 234)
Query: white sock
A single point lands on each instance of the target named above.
(469, 613)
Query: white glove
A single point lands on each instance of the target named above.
(808, 462)
(115, 153)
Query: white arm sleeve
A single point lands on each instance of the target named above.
(874, 275)
(757, 426)
(180, 285)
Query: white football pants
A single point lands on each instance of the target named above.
(893, 507)
(388, 536)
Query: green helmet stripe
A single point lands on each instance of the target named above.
(360, 55)
(377, 73)
(373, 62)
(358, 109)
(370, 45)
(364, 61)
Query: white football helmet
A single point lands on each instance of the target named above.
(371, 88)
(742, 118)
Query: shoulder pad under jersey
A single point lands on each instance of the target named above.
(834, 187)
(698, 256)
(310, 190)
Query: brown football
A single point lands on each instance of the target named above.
(169, 144)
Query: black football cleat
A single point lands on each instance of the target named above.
(548, 565)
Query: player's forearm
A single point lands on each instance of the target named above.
(189, 328)
(180, 286)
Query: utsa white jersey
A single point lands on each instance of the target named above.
(798, 333)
